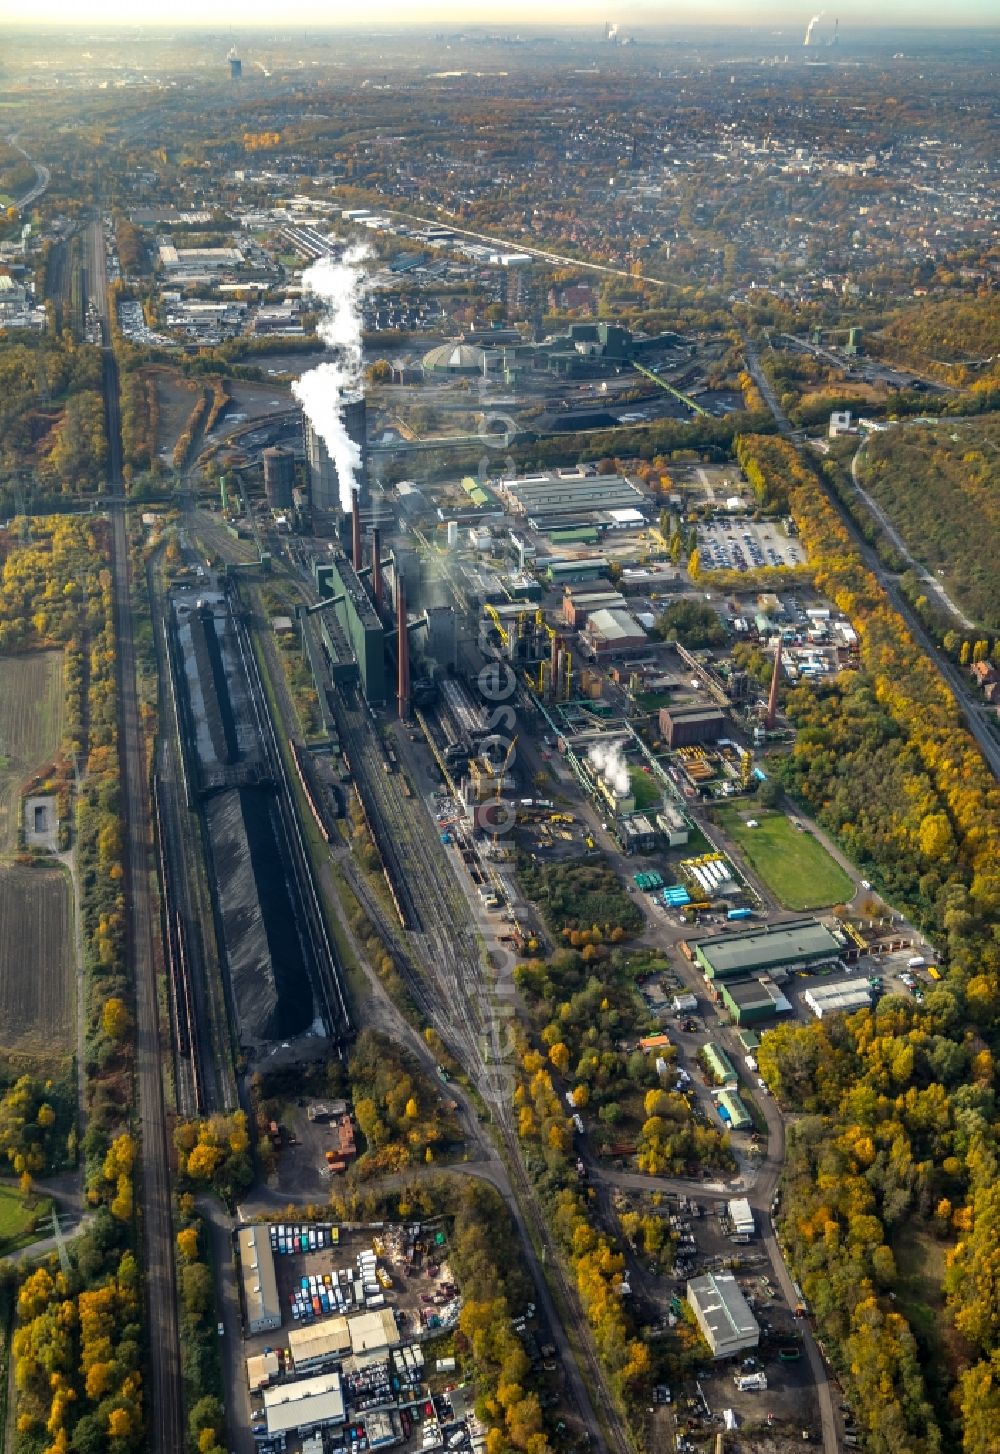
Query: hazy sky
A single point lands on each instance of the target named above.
(249, 13)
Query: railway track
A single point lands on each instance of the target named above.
(165, 1422)
(454, 989)
(191, 1099)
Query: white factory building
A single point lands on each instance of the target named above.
(260, 1286)
(842, 998)
(723, 1314)
(307, 1403)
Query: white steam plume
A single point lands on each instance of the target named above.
(338, 284)
(811, 27)
(609, 759)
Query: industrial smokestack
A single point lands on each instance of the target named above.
(554, 669)
(356, 529)
(377, 583)
(772, 699)
(402, 650)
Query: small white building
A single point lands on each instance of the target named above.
(741, 1216)
(840, 423)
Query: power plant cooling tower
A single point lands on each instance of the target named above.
(279, 477)
(324, 482)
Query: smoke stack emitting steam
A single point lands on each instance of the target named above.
(811, 26)
(610, 763)
(338, 285)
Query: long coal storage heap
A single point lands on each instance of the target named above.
(329, 975)
(282, 970)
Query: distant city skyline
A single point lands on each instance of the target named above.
(250, 14)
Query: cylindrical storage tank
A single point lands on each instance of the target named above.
(279, 477)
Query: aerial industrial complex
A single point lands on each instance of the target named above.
(497, 740)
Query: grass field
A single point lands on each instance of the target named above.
(646, 789)
(31, 723)
(37, 990)
(796, 867)
(18, 1218)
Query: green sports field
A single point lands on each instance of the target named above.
(793, 864)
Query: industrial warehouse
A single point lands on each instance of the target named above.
(777, 947)
(723, 1314)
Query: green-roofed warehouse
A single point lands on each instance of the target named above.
(562, 572)
(783, 946)
(574, 535)
(732, 1111)
(719, 1064)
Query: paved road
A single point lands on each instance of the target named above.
(69, 1227)
(220, 1225)
(42, 178)
(166, 1412)
(766, 388)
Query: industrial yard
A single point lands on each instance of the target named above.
(349, 1332)
(613, 747)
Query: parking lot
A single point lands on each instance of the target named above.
(746, 545)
